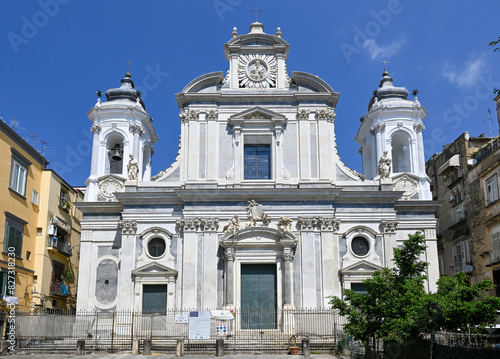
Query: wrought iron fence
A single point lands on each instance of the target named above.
(270, 330)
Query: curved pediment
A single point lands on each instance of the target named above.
(311, 81)
(203, 81)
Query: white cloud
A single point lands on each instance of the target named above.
(467, 74)
(377, 51)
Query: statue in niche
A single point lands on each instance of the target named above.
(133, 168)
(256, 214)
(384, 166)
(233, 225)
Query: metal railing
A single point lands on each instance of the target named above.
(65, 248)
(270, 331)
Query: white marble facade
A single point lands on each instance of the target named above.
(257, 181)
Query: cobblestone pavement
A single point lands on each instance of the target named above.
(21, 355)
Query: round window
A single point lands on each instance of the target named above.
(156, 247)
(360, 246)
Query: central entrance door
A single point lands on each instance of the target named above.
(154, 299)
(258, 296)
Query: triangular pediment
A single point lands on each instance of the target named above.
(257, 115)
(154, 269)
(361, 267)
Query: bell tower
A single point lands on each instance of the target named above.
(392, 130)
(123, 139)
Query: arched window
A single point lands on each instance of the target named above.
(401, 152)
(114, 145)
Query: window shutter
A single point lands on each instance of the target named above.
(455, 259)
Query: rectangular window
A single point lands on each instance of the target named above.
(63, 198)
(495, 244)
(18, 172)
(3, 283)
(13, 236)
(460, 256)
(257, 161)
(35, 196)
(18, 178)
(492, 189)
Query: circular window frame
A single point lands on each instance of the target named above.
(368, 242)
(149, 242)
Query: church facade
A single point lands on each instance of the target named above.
(258, 209)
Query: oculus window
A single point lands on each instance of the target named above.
(257, 161)
(360, 246)
(156, 247)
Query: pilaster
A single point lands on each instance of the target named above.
(388, 229)
(127, 265)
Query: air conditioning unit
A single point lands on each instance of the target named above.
(452, 198)
(52, 230)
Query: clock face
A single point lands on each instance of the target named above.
(108, 188)
(408, 186)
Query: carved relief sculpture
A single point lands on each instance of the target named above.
(256, 214)
(285, 224)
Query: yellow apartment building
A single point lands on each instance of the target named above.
(20, 180)
(41, 229)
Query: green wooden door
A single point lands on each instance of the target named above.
(258, 296)
(154, 298)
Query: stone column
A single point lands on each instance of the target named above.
(229, 277)
(419, 127)
(287, 278)
(86, 259)
(94, 167)
(375, 130)
(388, 228)
(432, 258)
(127, 265)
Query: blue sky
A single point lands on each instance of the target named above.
(55, 54)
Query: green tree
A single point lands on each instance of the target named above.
(395, 306)
(460, 306)
(496, 48)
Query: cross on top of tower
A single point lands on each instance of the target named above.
(385, 62)
(128, 63)
(256, 11)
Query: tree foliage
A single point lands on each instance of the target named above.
(460, 306)
(496, 48)
(396, 307)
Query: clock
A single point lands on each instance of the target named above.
(109, 187)
(407, 185)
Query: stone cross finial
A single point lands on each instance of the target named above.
(256, 11)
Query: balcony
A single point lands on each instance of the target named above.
(457, 214)
(63, 248)
(58, 288)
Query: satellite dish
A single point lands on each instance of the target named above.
(471, 162)
(468, 268)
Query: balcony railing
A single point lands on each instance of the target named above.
(58, 288)
(486, 150)
(64, 248)
(457, 214)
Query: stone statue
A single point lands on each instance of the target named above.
(256, 214)
(233, 225)
(285, 223)
(133, 168)
(384, 166)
